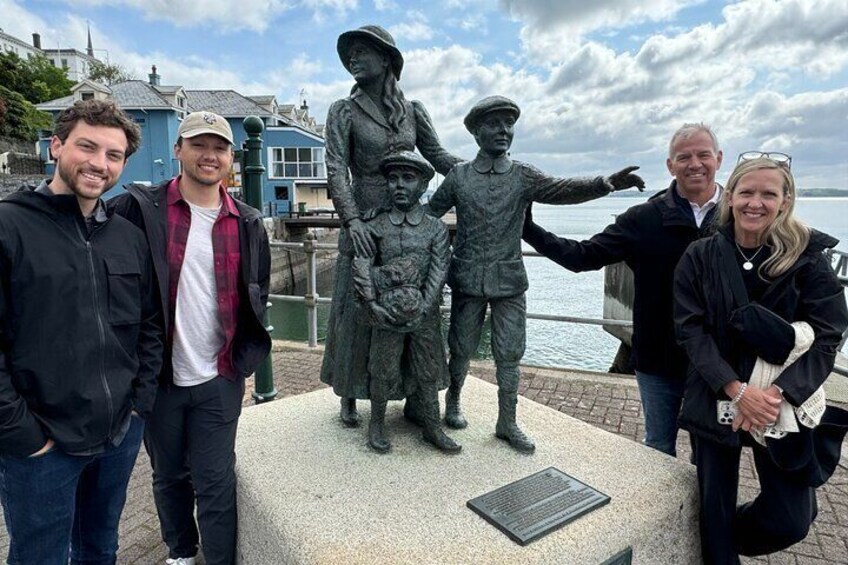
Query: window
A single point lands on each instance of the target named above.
(297, 162)
(64, 63)
(87, 96)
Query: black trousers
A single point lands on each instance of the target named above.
(190, 438)
(777, 518)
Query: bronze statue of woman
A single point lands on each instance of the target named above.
(374, 121)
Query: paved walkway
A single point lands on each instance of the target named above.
(608, 402)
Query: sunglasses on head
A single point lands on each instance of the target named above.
(781, 159)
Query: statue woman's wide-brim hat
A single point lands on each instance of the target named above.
(487, 106)
(409, 159)
(376, 36)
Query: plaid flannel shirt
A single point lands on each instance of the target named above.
(225, 249)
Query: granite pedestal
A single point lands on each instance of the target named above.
(312, 492)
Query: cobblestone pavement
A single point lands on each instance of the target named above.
(608, 402)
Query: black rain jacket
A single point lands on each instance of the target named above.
(719, 353)
(650, 238)
(147, 208)
(80, 329)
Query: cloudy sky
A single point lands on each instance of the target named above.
(601, 84)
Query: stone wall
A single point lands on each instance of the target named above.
(23, 164)
(10, 183)
(288, 266)
(8, 144)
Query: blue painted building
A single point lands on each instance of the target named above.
(293, 149)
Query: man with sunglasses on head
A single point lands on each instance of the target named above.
(212, 265)
(650, 238)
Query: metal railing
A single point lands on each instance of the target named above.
(312, 299)
(311, 247)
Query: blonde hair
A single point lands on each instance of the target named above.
(787, 236)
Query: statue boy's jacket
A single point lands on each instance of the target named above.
(491, 197)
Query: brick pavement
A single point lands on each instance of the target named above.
(608, 402)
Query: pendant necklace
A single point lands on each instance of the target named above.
(748, 265)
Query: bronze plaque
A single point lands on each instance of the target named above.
(534, 506)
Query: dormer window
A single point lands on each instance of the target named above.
(86, 95)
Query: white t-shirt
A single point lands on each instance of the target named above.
(198, 334)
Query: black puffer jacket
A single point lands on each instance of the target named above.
(650, 238)
(80, 330)
(704, 302)
(147, 208)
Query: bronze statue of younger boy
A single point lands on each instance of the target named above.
(491, 195)
(401, 286)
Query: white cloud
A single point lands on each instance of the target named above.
(580, 17)
(766, 75)
(254, 15)
(19, 22)
(416, 28)
(384, 5)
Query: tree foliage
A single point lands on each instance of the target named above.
(19, 118)
(36, 79)
(108, 74)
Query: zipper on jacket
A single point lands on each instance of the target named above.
(101, 330)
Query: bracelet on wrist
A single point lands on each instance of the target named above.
(739, 394)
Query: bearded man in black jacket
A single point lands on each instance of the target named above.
(80, 346)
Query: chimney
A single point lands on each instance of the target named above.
(154, 78)
(36, 40)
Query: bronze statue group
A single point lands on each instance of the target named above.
(737, 314)
(142, 317)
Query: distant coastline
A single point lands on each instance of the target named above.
(802, 192)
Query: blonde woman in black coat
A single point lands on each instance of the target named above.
(737, 295)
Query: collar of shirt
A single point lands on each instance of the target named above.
(97, 217)
(228, 205)
(413, 217)
(484, 163)
(700, 211)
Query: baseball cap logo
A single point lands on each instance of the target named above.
(209, 118)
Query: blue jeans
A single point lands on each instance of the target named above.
(661, 399)
(56, 502)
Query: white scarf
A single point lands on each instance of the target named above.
(763, 376)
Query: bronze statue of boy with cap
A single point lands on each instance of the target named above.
(491, 194)
(401, 286)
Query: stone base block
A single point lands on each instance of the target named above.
(311, 491)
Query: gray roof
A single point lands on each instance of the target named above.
(132, 94)
(262, 98)
(167, 89)
(138, 94)
(227, 103)
(57, 104)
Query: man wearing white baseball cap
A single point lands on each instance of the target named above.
(212, 263)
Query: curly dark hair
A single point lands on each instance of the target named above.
(98, 113)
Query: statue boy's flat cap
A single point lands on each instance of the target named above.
(376, 36)
(407, 159)
(486, 106)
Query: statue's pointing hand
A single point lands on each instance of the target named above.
(625, 178)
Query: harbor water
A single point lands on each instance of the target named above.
(554, 290)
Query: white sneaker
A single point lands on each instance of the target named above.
(180, 561)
